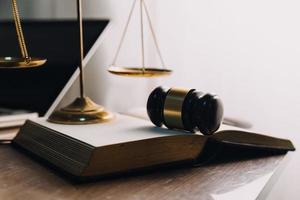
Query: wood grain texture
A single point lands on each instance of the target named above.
(23, 178)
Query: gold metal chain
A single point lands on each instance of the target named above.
(124, 33)
(19, 31)
(143, 7)
(153, 34)
(142, 35)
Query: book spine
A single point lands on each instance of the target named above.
(63, 152)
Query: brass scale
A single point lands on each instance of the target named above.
(83, 110)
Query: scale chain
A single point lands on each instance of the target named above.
(142, 36)
(154, 35)
(143, 6)
(124, 32)
(19, 31)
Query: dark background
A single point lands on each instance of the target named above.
(36, 89)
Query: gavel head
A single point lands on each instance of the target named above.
(185, 109)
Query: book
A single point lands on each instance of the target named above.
(14, 119)
(7, 134)
(127, 144)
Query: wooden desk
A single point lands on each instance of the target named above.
(23, 178)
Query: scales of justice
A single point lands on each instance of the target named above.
(83, 110)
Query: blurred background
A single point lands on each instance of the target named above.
(245, 51)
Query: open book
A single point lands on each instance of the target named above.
(126, 144)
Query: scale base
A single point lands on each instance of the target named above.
(81, 111)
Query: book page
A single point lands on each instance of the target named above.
(121, 129)
(141, 113)
(15, 118)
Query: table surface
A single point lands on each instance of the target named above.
(22, 177)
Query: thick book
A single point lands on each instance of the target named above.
(128, 144)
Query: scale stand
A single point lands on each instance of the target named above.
(83, 110)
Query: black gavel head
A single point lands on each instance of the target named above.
(183, 109)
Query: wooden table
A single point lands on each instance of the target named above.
(23, 178)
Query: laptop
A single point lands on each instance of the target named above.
(37, 91)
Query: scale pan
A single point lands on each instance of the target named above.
(139, 72)
(12, 62)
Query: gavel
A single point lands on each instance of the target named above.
(185, 109)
